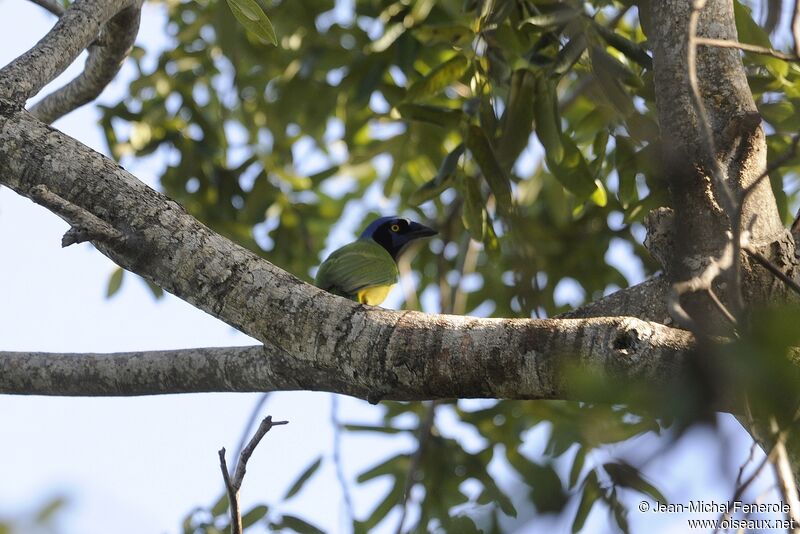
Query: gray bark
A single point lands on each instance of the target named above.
(105, 58)
(379, 354)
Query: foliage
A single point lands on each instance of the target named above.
(525, 126)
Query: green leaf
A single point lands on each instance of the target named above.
(455, 35)
(627, 476)
(298, 525)
(484, 156)
(625, 163)
(115, 282)
(441, 181)
(577, 466)
(610, 73)
(252, 17)
(154, 289)
(556, 17)
(446, 117)
(376, 428)
(303, 478)
(569, 54)
(254, 515)
(517, 118)
(439, 78)
(548, 122)
(473, 214)
(591, 493)
(631, 50)
(572, 171)
(747, 28)
(221, 506)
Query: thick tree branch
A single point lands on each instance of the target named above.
(427, 357)
(105, 58)
(74, 31)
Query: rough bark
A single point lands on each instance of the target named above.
(700, 225)
(379, 354)
(105, 58)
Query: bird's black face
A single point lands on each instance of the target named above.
(394, 233)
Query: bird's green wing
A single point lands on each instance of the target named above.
(356, 266)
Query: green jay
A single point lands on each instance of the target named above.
(366, 269)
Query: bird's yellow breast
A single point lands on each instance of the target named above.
(374, 295)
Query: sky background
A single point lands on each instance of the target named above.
(139, 465)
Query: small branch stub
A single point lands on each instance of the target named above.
(85, 225)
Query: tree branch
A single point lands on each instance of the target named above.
(74, 31)
(314, 340)
(431, 357)
(51, 5)
(105, 59)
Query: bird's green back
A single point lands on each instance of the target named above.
(355, 267)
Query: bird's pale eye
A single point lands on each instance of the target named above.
(395, 228)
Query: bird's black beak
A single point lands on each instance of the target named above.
(417, 231)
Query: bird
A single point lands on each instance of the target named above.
(366, 269)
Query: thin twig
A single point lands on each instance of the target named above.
(796, 27)
(234, 484)
(772, 268)
(783, 472)
(701, 282)
(51, 5)
(262, 400)
(423, 435)
(337, 458)
(762, 50)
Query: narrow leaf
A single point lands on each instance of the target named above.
(485, 157)
(572, 171)
(254, 515)
(299, 525)
(441, 181)
(608, 72)
(569, 54)
(548, 123)
(115, 282)
(517, 118)
(446, 117)
(631, 50)
(252, 17)
(439, 78)
(557, 17)
(473, 214)
(627, 476)
(303, 478)
(591, 493)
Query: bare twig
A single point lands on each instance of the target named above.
(234, 484)
(424, 433)
(701, 282)
(771, 267)
(105, 59)
(85, 226)
(51, 5)
(783, 472)
(262, 400)
(762, 50)
(796, 27)
(337, 458)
